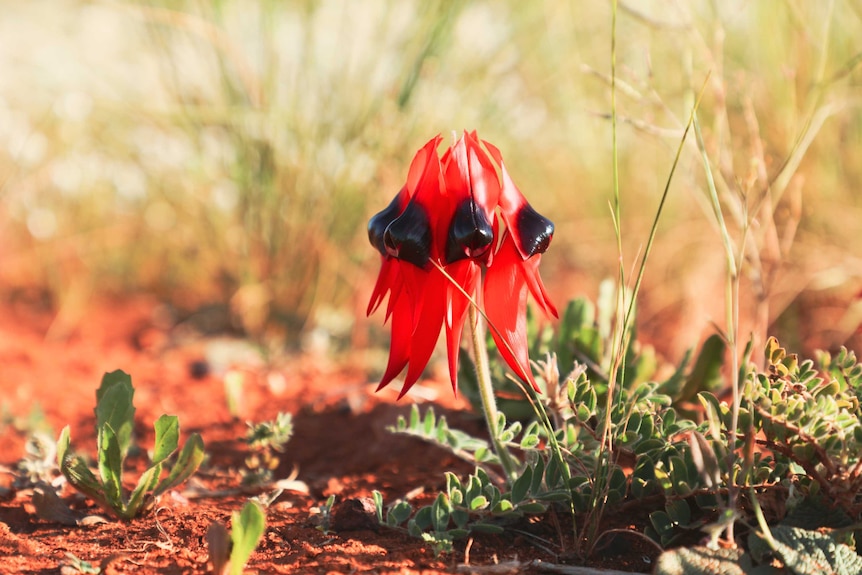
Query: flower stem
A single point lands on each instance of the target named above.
(486, 394)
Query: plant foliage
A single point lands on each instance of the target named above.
(798, 442)
(114, 421)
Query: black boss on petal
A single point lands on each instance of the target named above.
(534, 230)
(408, 237)
(380, 221)
(470, 233)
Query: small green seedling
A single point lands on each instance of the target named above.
(229, 552)
(324, 515)
(266, 440)
(114, 419)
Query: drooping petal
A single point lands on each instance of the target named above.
(506, 307)
(531, 230)
(530, 271)
(466, 273)
(386, 282)
(431, 289)
(401, 307)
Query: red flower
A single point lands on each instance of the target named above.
(457, 214)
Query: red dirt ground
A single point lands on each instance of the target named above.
(340, 446)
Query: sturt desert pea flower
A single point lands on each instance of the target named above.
(459, 215)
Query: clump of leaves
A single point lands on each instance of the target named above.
(798, 440)
(475, 505)
(558, 438)
(114, 420)
(266, 440)
(785, 548)
(230, 551)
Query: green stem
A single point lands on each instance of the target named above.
(486, 394)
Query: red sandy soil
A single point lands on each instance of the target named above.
(340, 446)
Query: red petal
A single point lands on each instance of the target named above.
(431, 307)
(483, 177)
(425, 157)
(470, 174)
(401, 307)
(385, 282)
(511, 198)
(531, 230)
(466, 274)
(428, 191)
(506, 308)
(530, 269)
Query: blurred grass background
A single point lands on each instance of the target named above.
(226, 154)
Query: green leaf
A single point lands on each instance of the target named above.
(110, 462)
(474, 488)
(533, 507)
(81, 478)
(486, 528)
(661, 522)
(63, 443)
(478, 502)
(428, 422)
(678, 511)
(440, 513)
(706, 373)
(522, 485)
(414, 529)
(706, 561)
(79, 566)
(399, 513)
(712, 409)
(187, 463)
(167, 429)
(459, 533)
(114, 407)
(460, 517)
(378, 505)
(423, 518)
(452, 483)
(538, 475)
(807, 552)
(146, 483)
(456, 496)
(247, 528)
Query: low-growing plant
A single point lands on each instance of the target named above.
(230, 551)
(322, 515)
(475, 505)
(39, 464)
(650, 438)
(797, 444)
(72, 564)
(114, 421)
(266, 440)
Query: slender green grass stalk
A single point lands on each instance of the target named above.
(731, 333)
(625, 309)
(603, 466)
